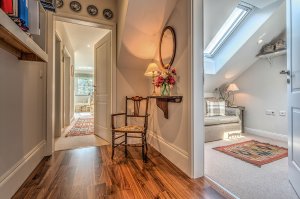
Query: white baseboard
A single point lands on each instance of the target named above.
(11, 181)
(267, 134)
(176, 155)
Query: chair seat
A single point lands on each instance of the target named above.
(130, 128)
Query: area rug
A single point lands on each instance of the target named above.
(254, 152)
(83, 126)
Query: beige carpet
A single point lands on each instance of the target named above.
(247, 181)
(64, 143)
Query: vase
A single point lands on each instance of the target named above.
(165, 90)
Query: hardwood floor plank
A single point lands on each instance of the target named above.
(90, 173)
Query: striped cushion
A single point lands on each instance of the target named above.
(215, 108)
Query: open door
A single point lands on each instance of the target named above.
(293, 18)
(103, 87)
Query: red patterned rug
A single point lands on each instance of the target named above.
(83, 126)
(254, 152)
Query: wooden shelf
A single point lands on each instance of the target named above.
(17, 42)
(162, 102)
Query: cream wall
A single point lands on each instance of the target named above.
(263, 88)
(22, 115)
(171, 136)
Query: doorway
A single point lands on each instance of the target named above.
(76, 105)
(246, 102)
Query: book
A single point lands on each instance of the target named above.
(7, 6)
(23, 12)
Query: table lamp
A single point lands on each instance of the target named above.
(152, 71)
(232, 88)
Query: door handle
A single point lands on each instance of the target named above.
(285, 72)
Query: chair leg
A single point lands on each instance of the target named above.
(113, 145)
(146, 147)
(126, 152)
(143, 145)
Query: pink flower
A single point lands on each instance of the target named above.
(172, 80)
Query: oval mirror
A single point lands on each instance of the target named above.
(167, 48)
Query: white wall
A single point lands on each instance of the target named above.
(66, 43)
(263, 88)
(83, 14)
(22, 118)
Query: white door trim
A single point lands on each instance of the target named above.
(51, 66)
(196, 93)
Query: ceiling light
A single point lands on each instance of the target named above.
(260, 41)
(88, 45)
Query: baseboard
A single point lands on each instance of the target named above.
(11, 181)
(267, 134)
(220, 189)
(176, 155)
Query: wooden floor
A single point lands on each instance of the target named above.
(90, 173)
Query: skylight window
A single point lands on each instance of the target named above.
(236, 17)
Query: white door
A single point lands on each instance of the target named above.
(103, 87)
(293, 27)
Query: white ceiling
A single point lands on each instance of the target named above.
(83, 39)
(213, 9)
(260, 3)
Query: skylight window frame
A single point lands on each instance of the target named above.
(233, 26)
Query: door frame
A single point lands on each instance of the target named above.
(52, 18)
(196, 92)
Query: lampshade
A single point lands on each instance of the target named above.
(152, 70)
(233, 87)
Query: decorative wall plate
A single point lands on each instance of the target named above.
(59, 3)
(75, 6)
(92, 10)
(108, 14)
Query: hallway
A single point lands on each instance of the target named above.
(67, 141)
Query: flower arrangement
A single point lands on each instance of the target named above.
(166, 80)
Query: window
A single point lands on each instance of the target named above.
(236, 17)
(84, 85)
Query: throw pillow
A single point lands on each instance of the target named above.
(215, 108)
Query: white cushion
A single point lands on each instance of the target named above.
(215, 120)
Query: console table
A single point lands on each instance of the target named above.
(242, 109)
(163, 101)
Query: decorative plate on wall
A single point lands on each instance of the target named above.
(59, 3)
(108, 14)
(92, 10)
(75, 6)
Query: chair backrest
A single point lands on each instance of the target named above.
(138, 104)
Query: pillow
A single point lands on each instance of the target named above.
(215, 108)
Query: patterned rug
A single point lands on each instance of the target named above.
(83, 126)
(254, 152)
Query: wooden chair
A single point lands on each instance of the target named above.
(123, 131)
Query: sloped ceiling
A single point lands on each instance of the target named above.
(213, 9)
(143, 24)
(83, 39)
(270, 23)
